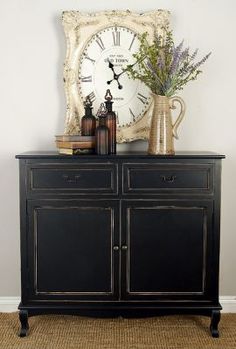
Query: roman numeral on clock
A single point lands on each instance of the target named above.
(132, 42)
(116, 38)
(90, 59)
(86, 78)
(132, 114)
(100, 42)
(92, 97)
(142, 98)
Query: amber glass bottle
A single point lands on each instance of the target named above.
(102, 135)
(110, 122)
(88, 121)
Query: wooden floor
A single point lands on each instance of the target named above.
(71, 332)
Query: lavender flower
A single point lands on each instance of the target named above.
(153, 71)
(203, 60)
(176, 52)
(164, 67)
(160, 62)
(184, 55)
(193, 56)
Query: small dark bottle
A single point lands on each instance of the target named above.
(102, 133)
(110, 122)
(88, 121)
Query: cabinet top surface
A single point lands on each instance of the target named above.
(134, 155)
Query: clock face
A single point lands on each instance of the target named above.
(104, 57)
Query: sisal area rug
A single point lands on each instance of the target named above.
(72, 332)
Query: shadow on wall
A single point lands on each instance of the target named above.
(133, 146)
(61, 40)
(9, 230)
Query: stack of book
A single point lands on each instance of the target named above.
(75, 144)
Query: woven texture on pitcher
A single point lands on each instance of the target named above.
(161, 137)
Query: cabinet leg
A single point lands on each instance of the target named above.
(23, 316)
(215, 319)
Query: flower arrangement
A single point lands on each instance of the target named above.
(164, 67)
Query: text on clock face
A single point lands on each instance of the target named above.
(116, 60)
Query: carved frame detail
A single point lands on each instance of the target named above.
(79, 28)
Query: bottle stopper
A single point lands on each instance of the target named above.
(87, 102)
(108, 96)
(101, 110)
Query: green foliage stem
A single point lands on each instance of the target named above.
(162, 66)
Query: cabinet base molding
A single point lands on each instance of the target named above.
(10, 304)
(126, 311)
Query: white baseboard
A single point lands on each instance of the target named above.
(10, 304)
(228, 304)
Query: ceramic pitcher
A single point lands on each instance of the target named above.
(162, 130)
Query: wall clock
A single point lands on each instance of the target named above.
(99, 46)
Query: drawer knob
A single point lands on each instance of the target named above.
(115, 248)
(168, 179)
(71, 179)
(124, 247)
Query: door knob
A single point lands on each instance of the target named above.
(124, 247)
(115, 248)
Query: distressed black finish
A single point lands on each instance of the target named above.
(128, 234)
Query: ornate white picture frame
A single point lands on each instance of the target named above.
(79, 29)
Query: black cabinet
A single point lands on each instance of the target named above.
(126, 234)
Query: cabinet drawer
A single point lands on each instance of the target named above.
(161, 178)
(74, 179)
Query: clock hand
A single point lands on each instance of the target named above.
(115, 76)
(125, 70)
(118, 75)
(119, 85)
(111, 66)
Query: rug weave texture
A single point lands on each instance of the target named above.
(72, 332)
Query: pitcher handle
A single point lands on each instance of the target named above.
(181, 115)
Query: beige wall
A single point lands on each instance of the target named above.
(32, 102)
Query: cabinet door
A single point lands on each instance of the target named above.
(70, 249)
(166, 251)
